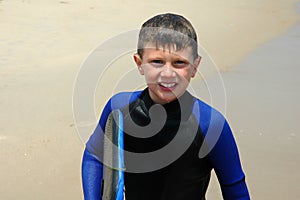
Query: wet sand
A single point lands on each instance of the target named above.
(263, 108)
(43, 43)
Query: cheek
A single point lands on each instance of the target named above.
(185, 73)
(150, 72)
(149, 76)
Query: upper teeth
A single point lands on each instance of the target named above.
(168, 85)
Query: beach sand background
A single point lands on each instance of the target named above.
(43, 44)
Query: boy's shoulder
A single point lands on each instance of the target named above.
(129, 96)
(208, 116)
(204, 107)
(122, 99)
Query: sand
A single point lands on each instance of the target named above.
(262, 94)
(43, 44)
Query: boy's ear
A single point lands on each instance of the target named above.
(195, 66)
(138, 61)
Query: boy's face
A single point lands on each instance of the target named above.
(167, 72)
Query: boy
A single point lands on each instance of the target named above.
(168, 57)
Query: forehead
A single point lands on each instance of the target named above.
(152, 49)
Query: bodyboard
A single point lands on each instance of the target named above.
(113, 169)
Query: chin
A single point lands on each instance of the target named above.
(168, 99)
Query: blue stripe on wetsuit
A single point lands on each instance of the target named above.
(224, 156)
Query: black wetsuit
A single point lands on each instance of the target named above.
(187, 177)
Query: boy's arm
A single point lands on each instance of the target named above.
(91, 176)
(92, 168)
(224, 156)
(226, 163)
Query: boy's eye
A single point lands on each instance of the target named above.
(157, 63)
(180, 63)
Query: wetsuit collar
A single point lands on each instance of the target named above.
(175, 108)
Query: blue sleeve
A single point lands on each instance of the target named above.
(223, 153)
(94, 144)
(92, 168)
(225, 160)
(91, 176)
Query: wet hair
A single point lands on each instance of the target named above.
(166, 31)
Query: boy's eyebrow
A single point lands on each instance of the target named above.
(157, 57)
(177, 56)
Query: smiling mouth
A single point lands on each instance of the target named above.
(168, 85)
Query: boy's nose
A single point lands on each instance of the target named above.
(168, 71)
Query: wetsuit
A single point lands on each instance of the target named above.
(185, 178)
